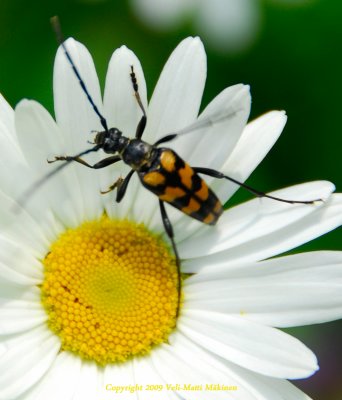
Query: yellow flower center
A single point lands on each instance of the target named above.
(110, 290)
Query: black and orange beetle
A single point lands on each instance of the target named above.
(160, 169)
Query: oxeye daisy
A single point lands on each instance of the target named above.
(89, 287)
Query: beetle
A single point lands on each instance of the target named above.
(160, 169)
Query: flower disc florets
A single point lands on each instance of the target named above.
(110, 290)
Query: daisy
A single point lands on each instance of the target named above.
(89, 288)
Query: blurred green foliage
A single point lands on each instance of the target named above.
(295, 64)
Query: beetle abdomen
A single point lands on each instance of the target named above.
(175, 182)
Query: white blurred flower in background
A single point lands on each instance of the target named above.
(226, 25)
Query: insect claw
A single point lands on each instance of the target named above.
(106, 191)
(116, 184)
(314, 202)
(318, 201)
(57, 158)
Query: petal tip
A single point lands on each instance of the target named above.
(122, 49)
(123, 54)
(25, 104)
(330, 187)
(192, 41)
(246, 88)
(22, 103)
(280, 114)
(198, 43)
(313, 368)
(70, 40)
(197, 39)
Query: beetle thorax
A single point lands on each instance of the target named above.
(137, 154)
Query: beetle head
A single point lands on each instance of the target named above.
(111, 141)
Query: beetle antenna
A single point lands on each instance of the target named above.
(56, 26)
(28, 193)
(31, 190)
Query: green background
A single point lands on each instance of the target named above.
(295, 64)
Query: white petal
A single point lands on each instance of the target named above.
(263, 228)
(117, 376)
(259, 348)
(211, 147)
(148, 376)
(145, 208)
(8, 291)
(90, 382)
(12, 160)
(175, 371)
(17, 264)
(177, 96)
(262, 387)
(284, 389)
(20, 309)
(260, 291)
(255, 142)
(20, 227)
(40, 138)
(37, 131)
(74, 113)
(20, 318)
(26, 360)
(76, 117)
(211, 370)
(124, 113)
(121, 106)
(59, 382)
(249, 385)
(186, 363)
(7, 119)
(11, 155)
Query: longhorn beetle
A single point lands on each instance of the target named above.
(159, 169)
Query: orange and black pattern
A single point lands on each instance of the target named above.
(176, 183)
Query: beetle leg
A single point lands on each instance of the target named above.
(169, 231)
(116, 184)
(257, 193)
(101, 164)
(121, 185)
(141, 127)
